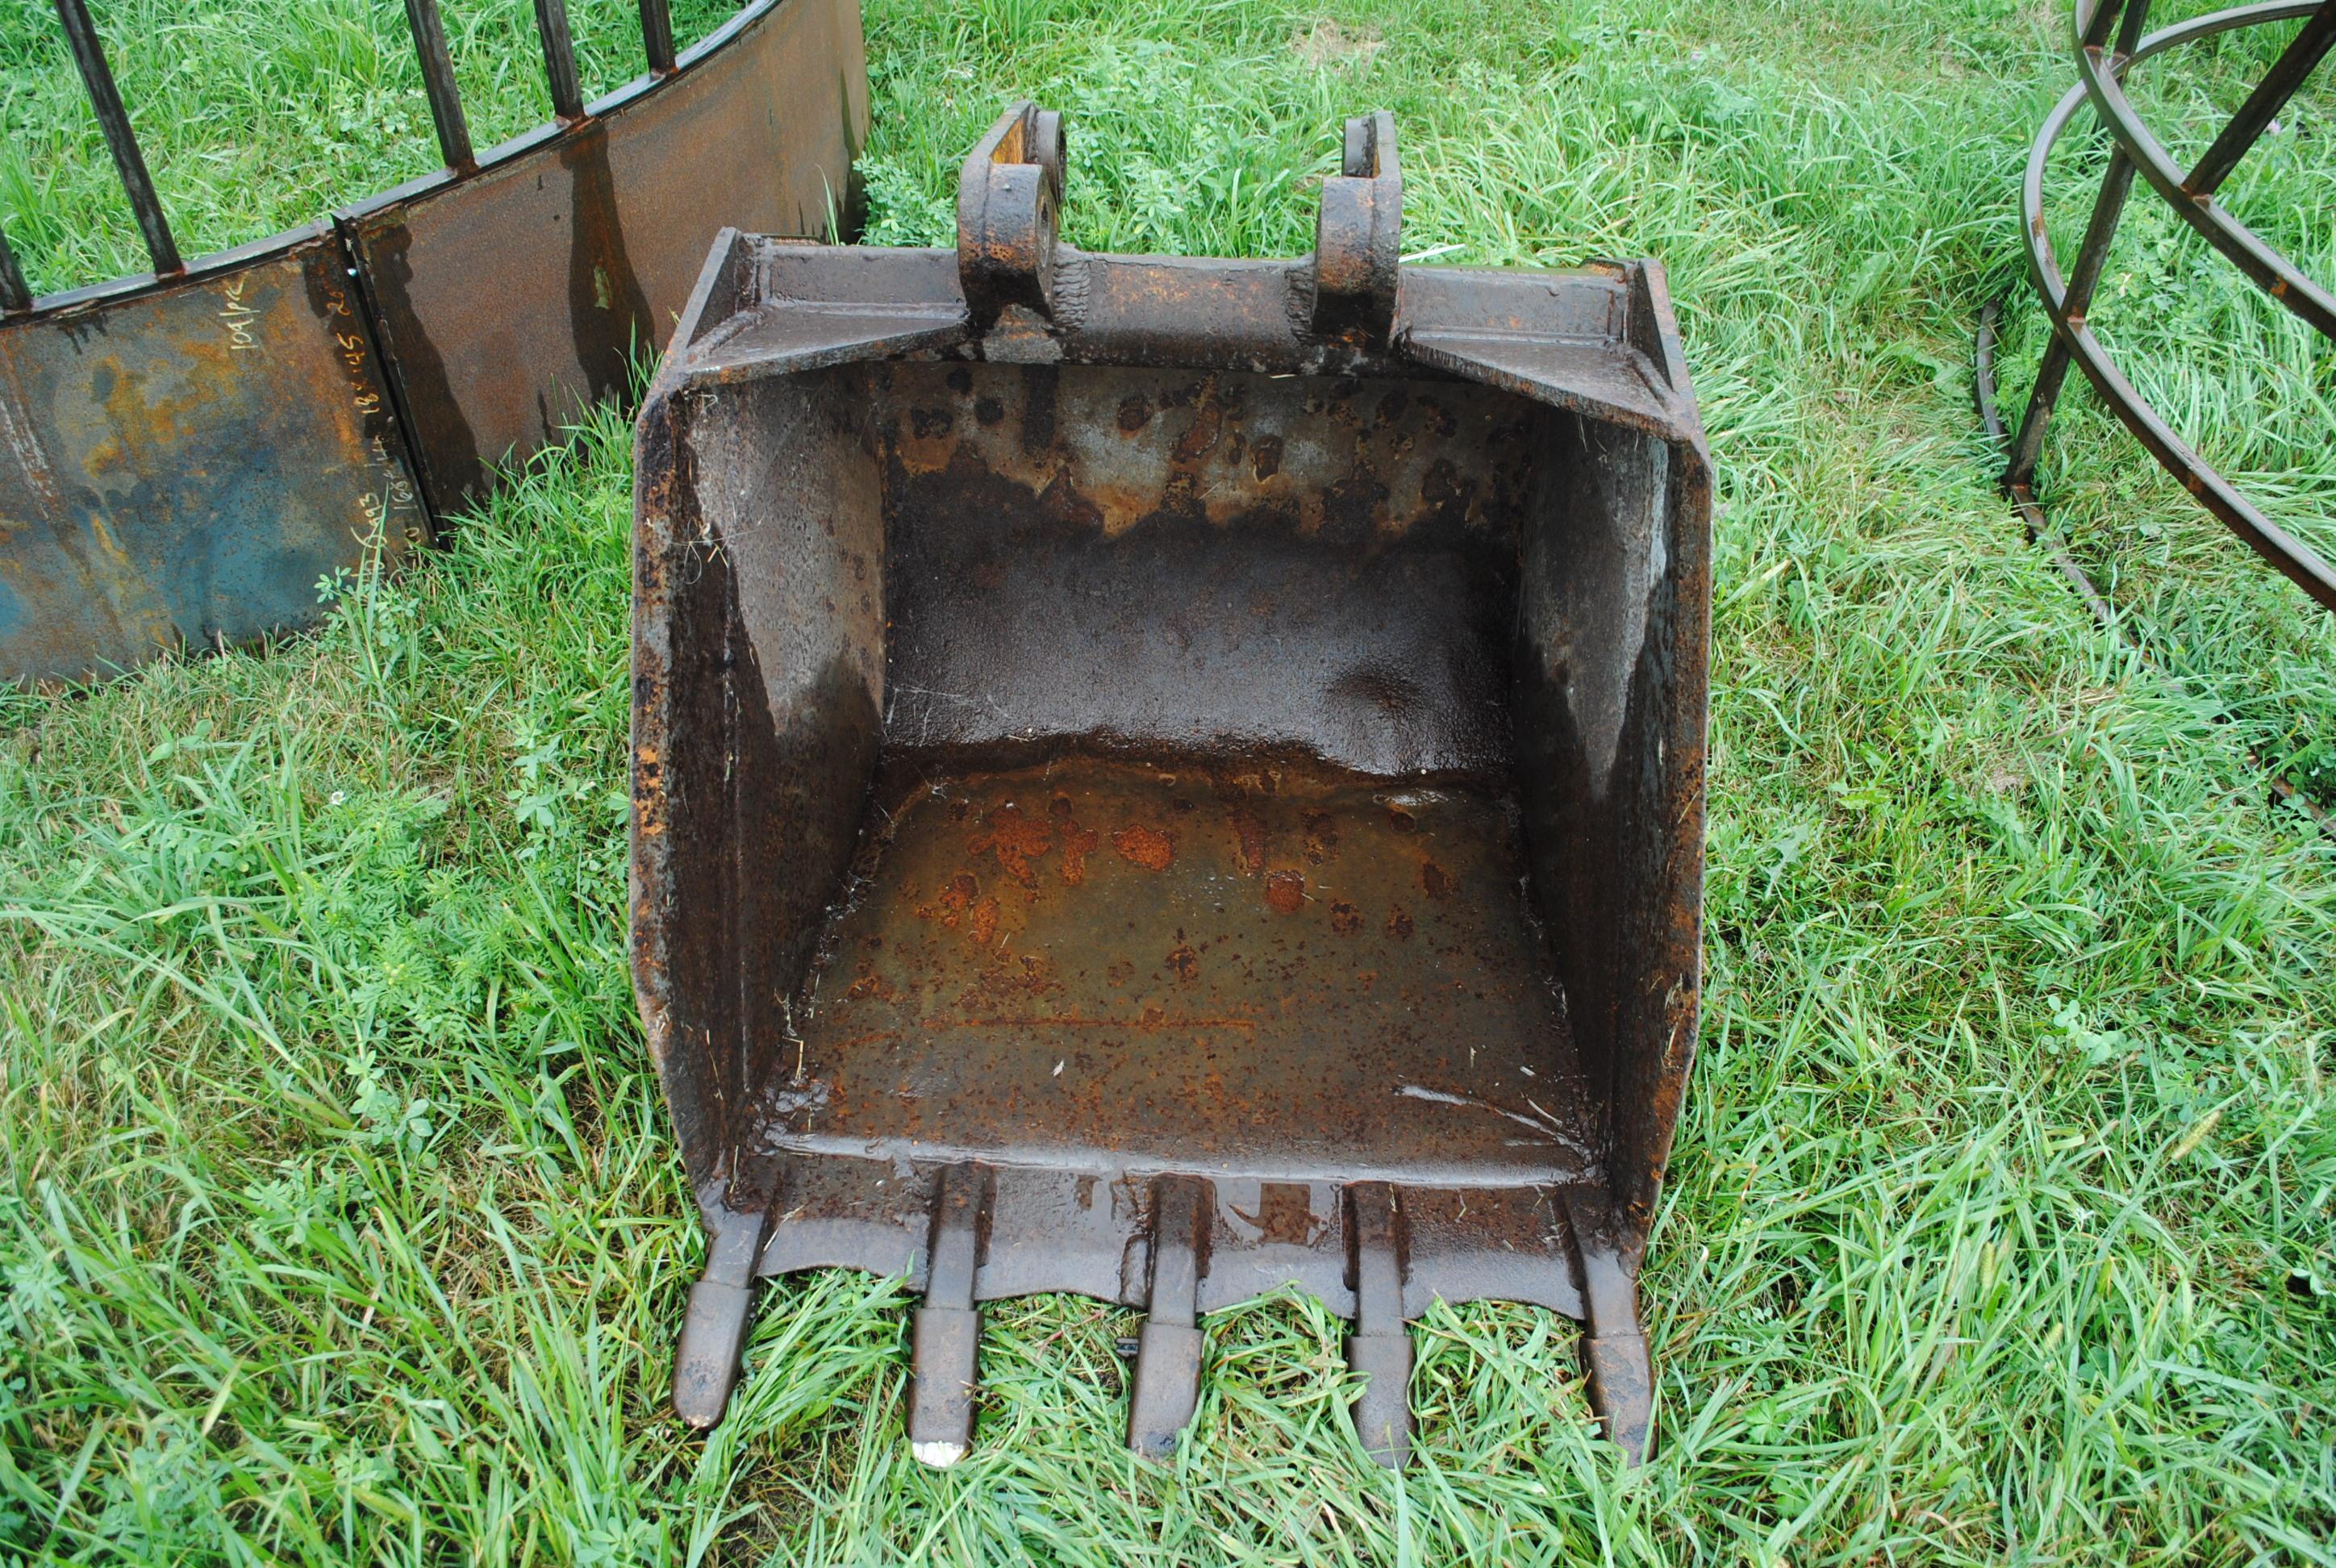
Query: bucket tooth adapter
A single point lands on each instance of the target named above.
(1165, 778)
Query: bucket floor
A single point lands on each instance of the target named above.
(1271, 971)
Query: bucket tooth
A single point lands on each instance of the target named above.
(721, 1304)
(1380, 1347)
(947, 1334)
(1613, 1346)
(1167, 1386)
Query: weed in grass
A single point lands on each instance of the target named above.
(341, 1221)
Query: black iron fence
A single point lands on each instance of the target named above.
(446, 116)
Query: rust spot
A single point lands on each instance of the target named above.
(989, 410)
(1433, 878)
(1285, 1213)
(1134, 412)
(956, 896)
(961, 379)
(1185, 963)
(1078, 842)
(1398, 924)
(1015, 840)
(985, 922)
(1265, 457)
(1061, 501)
(1286, 891)
(1346, 918)
(1321, 836)
(929, 422)
(1181, 497)
(1147, 847)
(1208, 424)
(1252, 843)
(1400, 819)
(1442, 484)
(1001, 988)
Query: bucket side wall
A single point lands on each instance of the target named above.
(1608, 710)
(681, 866)
(772, 573)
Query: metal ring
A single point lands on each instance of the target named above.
(2264, 267)
(2294, 558)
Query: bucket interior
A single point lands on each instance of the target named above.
(1143, 775)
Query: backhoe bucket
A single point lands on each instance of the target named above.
(1164, 778)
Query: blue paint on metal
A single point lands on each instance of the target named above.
(179, 465)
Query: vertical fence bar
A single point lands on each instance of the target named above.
(438, 81)
(2083, 277)
(89, 55)
(14, 295)
(657, 35)
(2093, 28)
(559, 59)
(2100, 233)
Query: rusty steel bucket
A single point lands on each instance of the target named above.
(1165, 778)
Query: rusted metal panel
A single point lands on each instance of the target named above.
(510, 298)
(1167, 777)
(185, 457)
(1124, 959)
(181, 461)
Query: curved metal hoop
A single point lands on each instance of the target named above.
(2102, 84)
(2041, 532)
(2067, 301)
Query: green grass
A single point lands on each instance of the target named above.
(341, 1222)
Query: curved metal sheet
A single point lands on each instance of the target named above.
(182, 460)
(510, 298)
